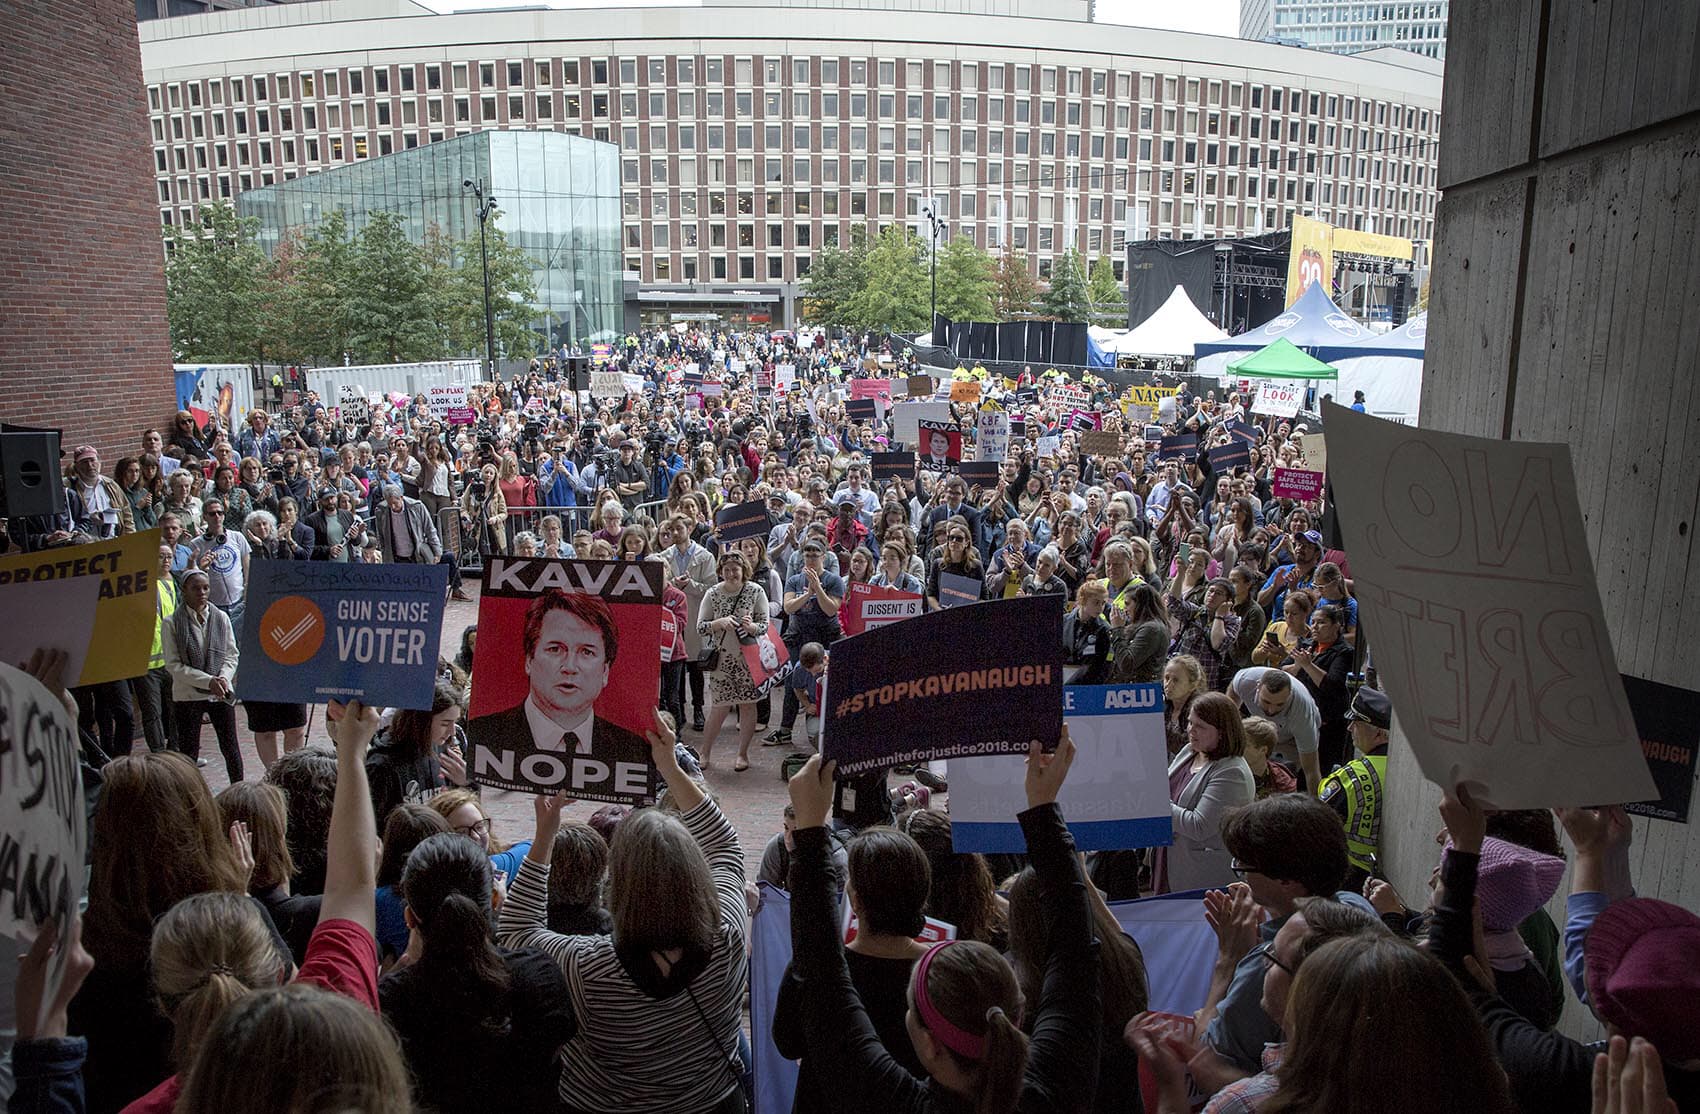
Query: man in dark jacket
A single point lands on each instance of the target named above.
(336, 534)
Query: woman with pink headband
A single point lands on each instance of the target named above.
(965, 1004)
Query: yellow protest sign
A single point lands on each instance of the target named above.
(1150, 396)
(124, 615)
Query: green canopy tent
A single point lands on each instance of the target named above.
(1282, 360)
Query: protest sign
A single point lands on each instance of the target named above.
(1166, 409)
(862, 409)
(1182, 446)
(1082, 420)
(736, 367)
(124, 612)
(982, 472)
(785, 375)
(1139, 413)
(314, 631)
(1116, 796)
(765, 656)
(871, 388)
(1470, 562)
(936, 687)
(447, 402)
(742, 520)
(1049, 446)
(1278, 397)
(991, 436)
(919, 386)
(1154, 434)
(632, 382)
(1667, 719)
(567, 677)
(43, 825)
(764, 377)
(352, 405)
(1313, 452)
(867, 607)
(1245, 431)
(955, 591)
(1100, 442)
(713, 388)
(890, 466)
(907, 416)
(965, 390)
(1235, 454)
(933, 930)
(54, 614)
(940, 445)
(607, 383)
(1296, 483)
(601, 352)
(1150, 396)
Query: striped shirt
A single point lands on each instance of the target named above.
(632, 1052)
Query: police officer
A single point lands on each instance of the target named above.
(1358, 789)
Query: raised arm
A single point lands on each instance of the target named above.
(351, 860)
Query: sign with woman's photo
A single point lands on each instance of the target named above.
(567, 677)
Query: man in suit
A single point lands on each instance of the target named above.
(955, 503)
(554, 737)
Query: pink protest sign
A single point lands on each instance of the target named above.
(1296, 483)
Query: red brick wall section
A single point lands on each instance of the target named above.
(83, 339)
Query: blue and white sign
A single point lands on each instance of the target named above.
(1117, 793)
(314, 631)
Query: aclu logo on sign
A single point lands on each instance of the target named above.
(1122, 699)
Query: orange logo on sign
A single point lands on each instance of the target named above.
(292, 630)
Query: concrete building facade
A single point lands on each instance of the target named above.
(1348, 28)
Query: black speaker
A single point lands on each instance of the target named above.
(29, 463)
(578, 372)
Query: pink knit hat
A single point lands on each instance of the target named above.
(1641, 963)
(1512, 882)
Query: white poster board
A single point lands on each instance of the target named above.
(43, 824)
(1471, 565)
(607, 384)
(906, 415)
(53, 614)
(991, 436)
(1313, 452)
(352, 405)
(1278, 397)
(1117, 793)
(443, 398)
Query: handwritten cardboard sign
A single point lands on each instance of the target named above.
(1100, 442)
(1471, 565)
(1279, 397)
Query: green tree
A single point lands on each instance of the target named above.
(1109, 301)
(892, 291)
(1067, 299)
(217, 288)
(389, 300)
(833, 279)
(1014, 289)
(966, 274)
(315, 277)
(513, 292)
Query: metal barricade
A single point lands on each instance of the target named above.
(573, 519)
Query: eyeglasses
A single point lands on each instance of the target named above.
(474, 830)
(214, 513)
(1267, 952)
(961, 538)
(1242, 869)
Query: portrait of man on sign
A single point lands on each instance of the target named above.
(554, 736)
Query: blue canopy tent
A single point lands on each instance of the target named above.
(1313, 323)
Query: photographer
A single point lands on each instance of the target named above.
(628, 478)
(483, 506)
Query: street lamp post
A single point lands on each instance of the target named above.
(486, 206)
(937, 226)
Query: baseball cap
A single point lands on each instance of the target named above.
(86, 452)
(1373, 707)
(1313, 537)
(327, 493)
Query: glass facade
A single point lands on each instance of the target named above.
(557, 197)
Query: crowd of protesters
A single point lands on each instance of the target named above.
(349, 932)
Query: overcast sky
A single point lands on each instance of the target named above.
(1220, 17)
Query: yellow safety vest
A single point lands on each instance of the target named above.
(1363, 780)
(164, 608)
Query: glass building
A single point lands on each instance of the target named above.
(557, 197)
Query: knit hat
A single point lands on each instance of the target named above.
(1641, 964)
(1512, 882)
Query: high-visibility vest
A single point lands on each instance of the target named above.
(1363, 780)
(164, 608)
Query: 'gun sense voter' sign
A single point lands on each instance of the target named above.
(317, 630)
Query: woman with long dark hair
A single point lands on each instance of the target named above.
(963, 891)
(419, 753)
(459, 1000)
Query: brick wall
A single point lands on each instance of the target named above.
(83, 340)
